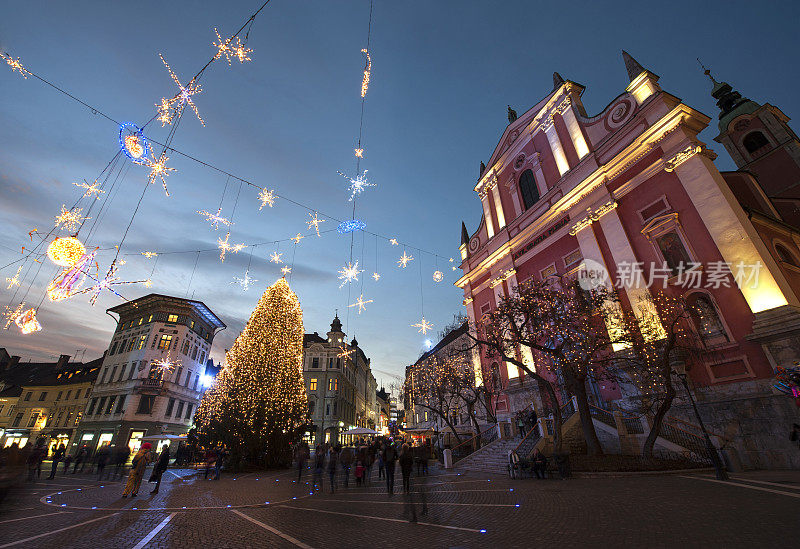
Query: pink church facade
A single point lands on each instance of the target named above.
(633, 190)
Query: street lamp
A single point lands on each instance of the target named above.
(719, 469)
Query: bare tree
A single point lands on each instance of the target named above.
(432, 384)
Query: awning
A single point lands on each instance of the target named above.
(360, 431)
(164, 437)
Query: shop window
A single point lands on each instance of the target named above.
(707, 320)
(785, 255)
(146, 403)
(527, 186)
(754, 141)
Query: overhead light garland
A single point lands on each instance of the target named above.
(276, 257)
(225, 246)
(159, 170)
(297, 238)
(361, 303)
(245, 281)
(357, 184)
(423, 325)
(169, 109)
(70, 219)
(367, 72)
(166, 365)
(286, 270)
(214, 218)
(376, 277)
(90, 190)
(67, 283)
(438, 275)
(393, 241)
(12, 314)
(150, 255)
(267, 197)
(14, 280)
(65, 251)
(349, 273)
(16, 65)
(314, 222)
(230, 51)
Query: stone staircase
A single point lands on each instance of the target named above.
(492, 458)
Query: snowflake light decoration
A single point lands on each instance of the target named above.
(166, 365)
(245, 281)
(27, 322)
(286, 270)
(214, 218)
(404, 259)
(90, 190)
(70, 219)
(359, 153)
(276, 257)
(159, 169)
(393, 241)
(344, 352)
(267, 197)
(297, 238)
(438, 275)
(150, 255)
(314, 222)
(376, 277)
(226, 48)
(172, 108)
(15, 65)
(357, 184)
(13, 280)
(225, 247)
(361, 303)
(11, 314)
(349, 273)
(423, 326)
(367, 72)
(148, 283)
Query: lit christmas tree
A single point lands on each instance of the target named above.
(258, 403)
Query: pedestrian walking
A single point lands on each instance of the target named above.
(160, 468)
(346, 459)
(381, 466)
(103, 455)
(80, 459)
(359, 472)
(389, 459)
(58, 455)
(218, 464)
(406, 465)
(301, 455)
(67, 462)
(120, 457)
(332, 463)
(521, 424)
(139, 464)
(34, 461)
(319, 464)
(210, 458)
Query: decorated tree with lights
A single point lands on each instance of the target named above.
(258, 403)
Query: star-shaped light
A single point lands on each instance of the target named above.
(276, 257)
(451, 260)
(286, 270)
(314, 222)
(359, 153)
(344, 352)
(70, 219)
(150, 255)
(226, 247)
(357, 184)
(214, 218)
(361, 303)
(404, 259)
(166, 365)
(297, 238)
(173, 108)
(367, 71)
(245, 281)
(15, 65)
(11, 314)
(266, 196)
(111, 279)
(90, 190)
(376, 277)
(393, 241)
(423, 326)
(159, 170)
(231, 50)
(148, 283)
(240, 51)
(349, 273)
(14, 280)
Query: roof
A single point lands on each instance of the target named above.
(47, 373)
(308, 339)
(199, 307)
(445, 341)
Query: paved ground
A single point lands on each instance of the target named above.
(271, 510)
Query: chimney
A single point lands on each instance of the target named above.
(62, 361)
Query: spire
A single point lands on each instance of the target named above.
(483, 168)
(512, 115)
(336, 325)
(632, 66)
(557, 80)
(730, 102)
(354, 343)
(464, 234)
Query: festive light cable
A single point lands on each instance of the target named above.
(214, 218)
(14, 280)
(70, 219)
(166, 365)
(349, 273)
(90, 190)
(15, 65)
(314, 222)
(359, 153)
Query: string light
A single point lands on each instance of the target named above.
(27, 322)
(350, 226)
(393, 241)
(90, 190)
(150, 255)
(367, 71)
(133, 143)
(438, 276)
(266, 197)
(11, 314)
(159, 169)
(361, 303)
(359, 153)
(349, 273)
(148, 283)
(286, 270)
(376, 277)
(357, 184)
(314, 222)
(15, 65)
(224, 48)
(66, 284)
(226, 247)
(297, 238)
(275, 257)
(245, 281)
(14, 280)
(69, 219)
(168, 111)
(404, 259)
(214, 218)
(423, 326)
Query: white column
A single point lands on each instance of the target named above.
(575, 132)
(536, 166)
(487, 215)
(476, 357)
(513, 191)
(555, 146)
(498, 206)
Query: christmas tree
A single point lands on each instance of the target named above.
(258, 401)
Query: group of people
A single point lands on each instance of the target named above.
(526, 420)
(138, 465)
(214, 458)
(360, 459)
(32, 455)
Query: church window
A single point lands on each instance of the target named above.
(754, 141)
(785, 255)
(527, 186)
(706, 319)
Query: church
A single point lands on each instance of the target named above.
(632, 187)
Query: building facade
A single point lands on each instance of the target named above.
(150, 381)
(340, 386)
(633, 187)
(44, 400)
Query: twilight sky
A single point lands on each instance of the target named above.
(443, 73)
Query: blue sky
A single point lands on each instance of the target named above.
(443, 73)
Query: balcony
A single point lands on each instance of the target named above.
(150, 386)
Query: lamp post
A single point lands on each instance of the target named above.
(719, 469)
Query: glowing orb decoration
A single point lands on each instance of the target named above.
(351, 225)
(65, 251)
(133, 143)
(27, 322)
(438, 276)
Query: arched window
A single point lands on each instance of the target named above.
(527, 186)
(706, 319)
(753, 141)
(785, 255)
